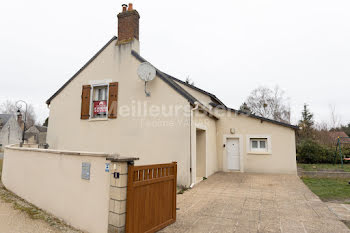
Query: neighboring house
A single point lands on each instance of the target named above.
(10, 130)
(103, 107)
(334, 135)
(36, 134)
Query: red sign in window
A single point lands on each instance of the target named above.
(100, 107)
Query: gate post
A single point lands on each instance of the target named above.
(117, 193)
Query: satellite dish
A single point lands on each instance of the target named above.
(146, 72)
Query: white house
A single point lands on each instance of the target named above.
(104, 108)
(10, 130)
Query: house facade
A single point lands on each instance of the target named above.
(10, 130)
(104, 108)
(36, 134)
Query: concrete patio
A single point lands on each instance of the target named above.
(242, 203)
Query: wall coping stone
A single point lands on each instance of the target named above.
(112, 157)
(118, 158)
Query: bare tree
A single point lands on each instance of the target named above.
(335, 119)
(269, 103)
(9, 107)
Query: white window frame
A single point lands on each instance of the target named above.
(268, 144)
(258, 144)
(91, 101)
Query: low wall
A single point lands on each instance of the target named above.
(324, 174)
(52, 180)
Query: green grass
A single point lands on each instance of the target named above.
(329, 189)
(318, 167)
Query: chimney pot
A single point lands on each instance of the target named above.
(124, 7)
(130, 7)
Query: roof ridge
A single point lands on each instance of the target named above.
(168, 80)
(198, 89)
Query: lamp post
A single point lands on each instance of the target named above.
(19, 106)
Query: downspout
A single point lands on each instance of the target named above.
(192, 113)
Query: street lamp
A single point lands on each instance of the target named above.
(19, 106)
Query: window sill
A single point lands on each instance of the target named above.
(98, 119)
(259, 153)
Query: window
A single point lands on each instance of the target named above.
(258, 145)
(99, 102)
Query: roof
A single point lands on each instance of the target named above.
(166, 78)
(4, 118)
(80, 70)
(28, 135)
(341, 134)
(260, 118)
(173, 83)
(212, 96)
(41, 128)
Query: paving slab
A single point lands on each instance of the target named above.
(342, 211)
(252, 203)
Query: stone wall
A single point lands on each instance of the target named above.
(117, 197)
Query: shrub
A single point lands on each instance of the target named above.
(309, 151)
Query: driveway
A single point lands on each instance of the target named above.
(244, 203)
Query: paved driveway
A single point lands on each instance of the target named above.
(244, 203)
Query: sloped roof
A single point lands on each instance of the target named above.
(169, 81)
(341, 134)
(28, 135)
(263, 118)
(41, 128)
(173, 83)
(4, 118)
(167, 78)
(212, 96)
(80, 70)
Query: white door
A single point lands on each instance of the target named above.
(233, 158)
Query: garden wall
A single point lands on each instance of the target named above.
(52, 180)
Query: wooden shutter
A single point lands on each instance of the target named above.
(113, 100)
(85, 102)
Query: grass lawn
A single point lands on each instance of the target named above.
(329, 189)
(318, 167)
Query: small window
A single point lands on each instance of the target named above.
(258, 144)
(99, 102)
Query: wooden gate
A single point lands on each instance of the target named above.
(151, 197)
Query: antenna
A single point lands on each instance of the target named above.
(146, 72)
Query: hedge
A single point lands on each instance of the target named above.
(310, 151)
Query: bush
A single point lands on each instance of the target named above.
(309, 151)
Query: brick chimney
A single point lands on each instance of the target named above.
(128, 24)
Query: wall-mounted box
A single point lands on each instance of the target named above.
(85, 171)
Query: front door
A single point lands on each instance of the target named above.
(233, 157)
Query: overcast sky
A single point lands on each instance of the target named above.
(228, 48)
